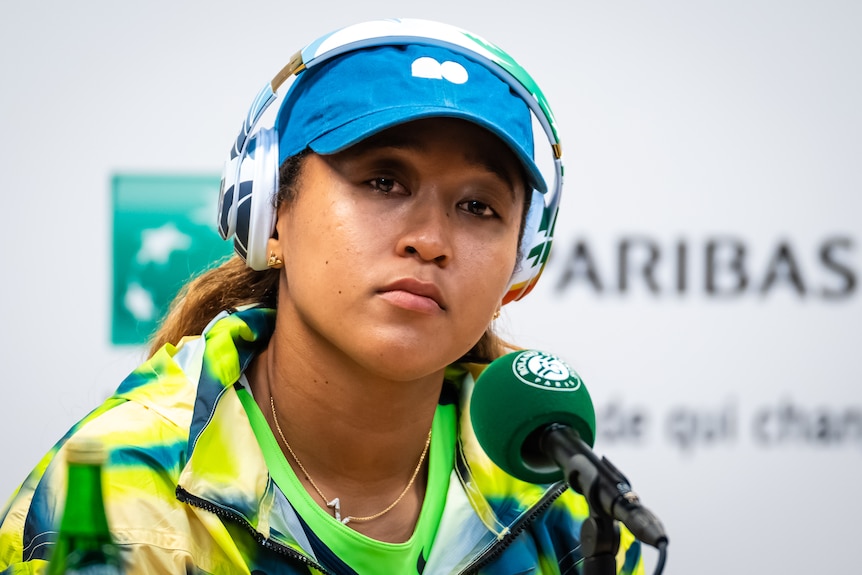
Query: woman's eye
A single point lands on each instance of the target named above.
(477, 208)
(384, 185)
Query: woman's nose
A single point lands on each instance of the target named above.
(427, 236)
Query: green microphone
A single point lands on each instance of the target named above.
(516, 399)
(534, 418)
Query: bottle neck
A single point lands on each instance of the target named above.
(84, 513)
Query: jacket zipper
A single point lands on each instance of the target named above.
(493, 552)
(195, 501)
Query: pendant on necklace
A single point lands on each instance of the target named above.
(335, 505)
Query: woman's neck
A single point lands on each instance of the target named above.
(358, 436)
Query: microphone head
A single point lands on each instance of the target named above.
(516, 398)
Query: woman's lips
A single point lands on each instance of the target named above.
(414, 295)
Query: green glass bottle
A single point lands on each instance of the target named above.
(84, 544)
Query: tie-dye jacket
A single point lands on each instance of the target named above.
(187, 489)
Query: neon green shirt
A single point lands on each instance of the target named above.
(363, 554)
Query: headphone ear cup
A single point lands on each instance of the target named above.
(256, 199)
(535, 248)
(226, 199)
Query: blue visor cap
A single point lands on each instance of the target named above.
(339, 103)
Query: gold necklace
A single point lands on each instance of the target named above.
(335, 504)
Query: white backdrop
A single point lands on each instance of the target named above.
(699, 136)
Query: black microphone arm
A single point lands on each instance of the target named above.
(606, 489)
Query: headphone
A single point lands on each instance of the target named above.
(249, 180)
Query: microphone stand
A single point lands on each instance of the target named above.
(600, 534)
(600, 541)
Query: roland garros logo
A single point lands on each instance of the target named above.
(545, 371)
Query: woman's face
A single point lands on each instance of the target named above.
(398, 250)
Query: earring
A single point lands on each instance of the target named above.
(496, 314)
(274, 261)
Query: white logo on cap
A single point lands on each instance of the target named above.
(427, 67)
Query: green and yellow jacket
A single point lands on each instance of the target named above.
(187, 489)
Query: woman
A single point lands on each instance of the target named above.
(388, 214)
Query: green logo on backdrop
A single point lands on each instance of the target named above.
(164, 234)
